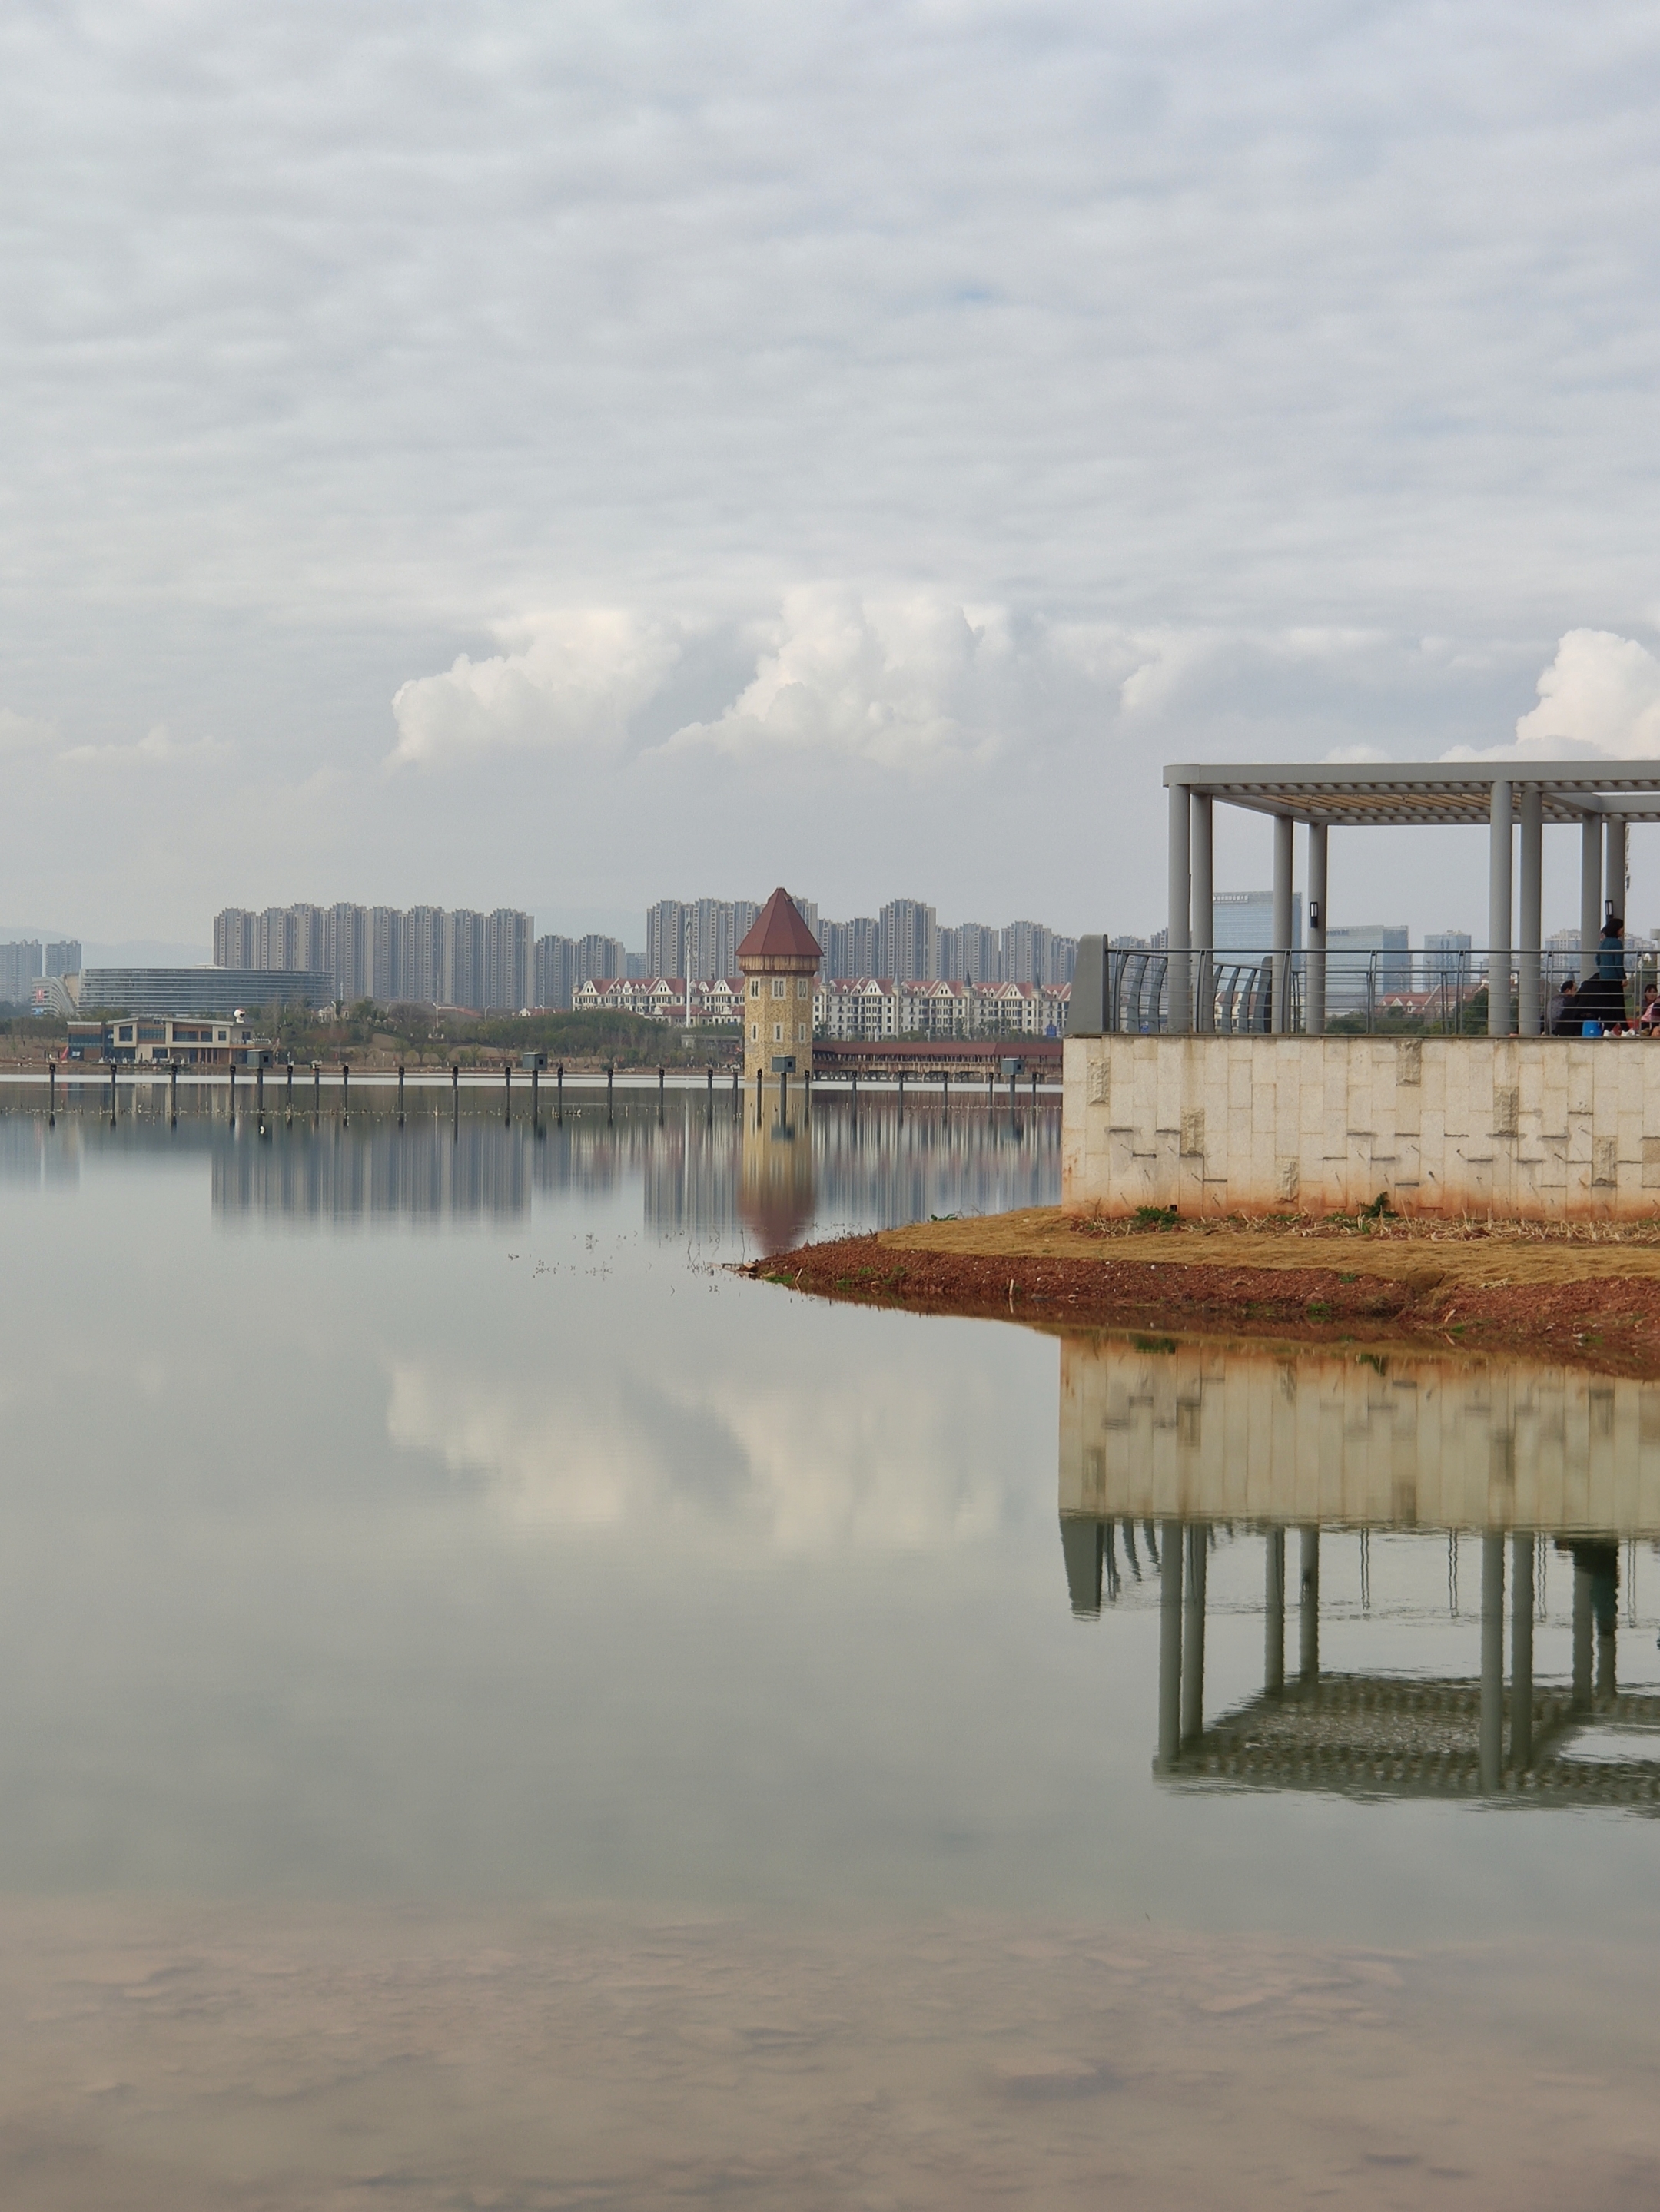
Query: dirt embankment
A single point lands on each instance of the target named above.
(1588, 1294)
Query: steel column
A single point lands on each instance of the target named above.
(1613, 880)
(1314, 994)
(1283, 928)
(1202, 926)
(1531, 915)
(1179, 911)
(1308, 1623)
(1498, 909)
(1591, 892)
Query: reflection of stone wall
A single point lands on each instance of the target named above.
(1534, 1127)
(1200, 1433)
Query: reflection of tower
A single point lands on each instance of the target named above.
(775, 1191)
(779, 958)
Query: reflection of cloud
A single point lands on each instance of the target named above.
(808, 1465)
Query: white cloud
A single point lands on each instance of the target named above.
(904, 683)
(157, 748)
(580, 677)
(24, 733)
(1600, 695)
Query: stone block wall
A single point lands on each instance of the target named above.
(1524, 1128)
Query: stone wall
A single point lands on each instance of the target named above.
(1539, 1128)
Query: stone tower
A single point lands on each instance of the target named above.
(779, 959)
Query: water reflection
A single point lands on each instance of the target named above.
(1195, 1446)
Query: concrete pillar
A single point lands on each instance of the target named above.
(1531, 915)
(1491, 1744)
(1203, 923)
(1498, 909)
(1274, 1613)
(1591, 892)
(1170, 1642)
(1315, 995)
(1283, 926)
(1582, 1641)
(1193, 1636)
(1178, 920)
(1308, 1618)
(1521, 1653)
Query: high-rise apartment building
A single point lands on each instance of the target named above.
(20, 970)
(907, 943)
(385, 978)
(704, 932)
(553, 975)
(464, 957)
(971, 953)
(850, 947)
(599, 959)
(64, 958)
(421, 959)
(507, 961)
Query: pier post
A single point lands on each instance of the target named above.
(288, 1091)
(1521, 1652)
(233, 1097)
(259, 1088)
(757, 1097)
(112, 1094)
(1273, 1616)
(559, 1093)
(1491, 1739)
(51, 1091)
(507, 1093)
(1193, 1634)
(535, 1088)
(1169, 1645)
(172, 1095)
(783, 1096)
(345, 1091)
(1308, 1611)
(400, 1094)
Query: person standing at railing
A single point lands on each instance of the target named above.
(1611, 973)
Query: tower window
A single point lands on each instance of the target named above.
(779, 987)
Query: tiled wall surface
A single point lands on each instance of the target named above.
(1529, 1127)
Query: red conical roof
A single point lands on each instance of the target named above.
(779, 933)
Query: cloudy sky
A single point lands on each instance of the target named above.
(559, 456)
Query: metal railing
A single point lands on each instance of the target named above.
(1232, 992)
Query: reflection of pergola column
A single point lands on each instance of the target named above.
(1521, 1652)
(1580, 1635)
(1308, 1618)
(1193, 1637)
(1273, 1655)
(1170, 1642)
(1491, 1740)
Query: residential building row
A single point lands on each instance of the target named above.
(700, 938)
(851, 1009)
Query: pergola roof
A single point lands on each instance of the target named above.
(1363, 792)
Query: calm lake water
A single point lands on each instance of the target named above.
(502, 1711)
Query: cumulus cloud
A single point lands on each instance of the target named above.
(580, 677)
(1601, 695)
(904, 683)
